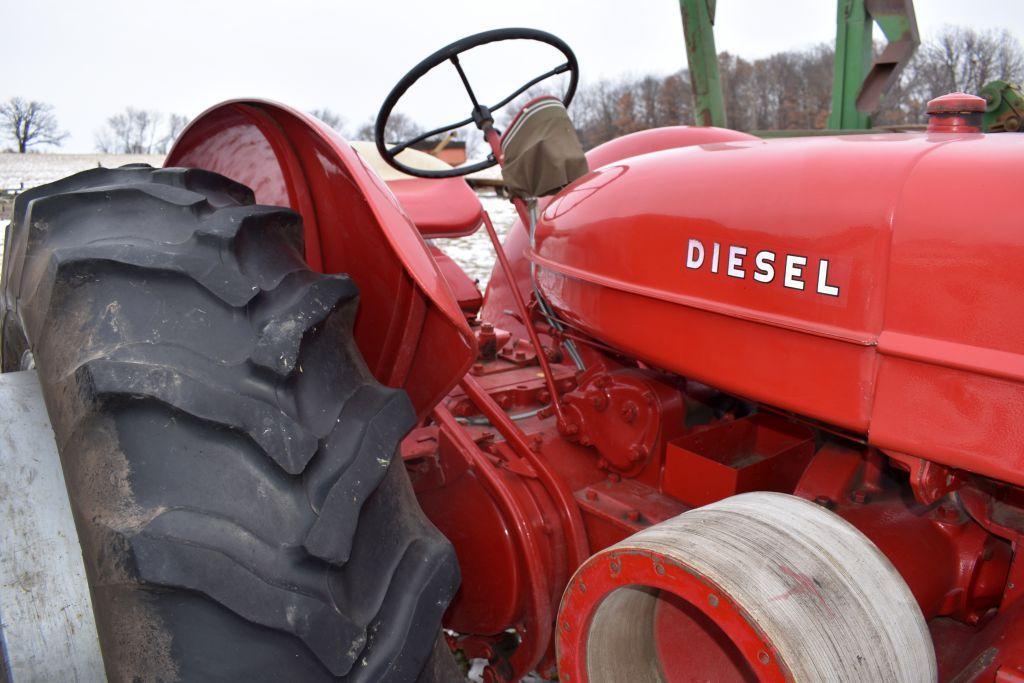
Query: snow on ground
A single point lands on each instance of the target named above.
(20, 172)
(475, 253)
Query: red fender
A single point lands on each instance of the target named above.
(409, 326)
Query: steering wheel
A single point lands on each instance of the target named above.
(482, 115)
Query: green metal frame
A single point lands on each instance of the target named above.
(859, 80)
(1004, 109)
(698, 27)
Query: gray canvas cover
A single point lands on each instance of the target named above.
(542, 152)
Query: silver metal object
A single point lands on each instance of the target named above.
(47, 627)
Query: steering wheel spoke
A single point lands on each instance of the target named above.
(481, 114)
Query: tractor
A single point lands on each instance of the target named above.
(729, 409)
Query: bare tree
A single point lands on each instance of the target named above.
(331, 118)
(175, 124)
(29, 123)
(400, 128)
(964, 59)
(133, 131)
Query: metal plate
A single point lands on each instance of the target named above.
(47, 628)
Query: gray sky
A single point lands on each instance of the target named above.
(90, 58)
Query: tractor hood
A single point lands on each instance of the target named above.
(870, 281)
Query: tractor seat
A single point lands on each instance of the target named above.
(542, 151)
(440, 207)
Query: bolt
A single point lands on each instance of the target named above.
(860, 496)
(629, 411)
(478, 368)
(637, 452)
(712, 599)
(612, 476)
(633, 516)
(763, 657)
(487, 328)
(600, 402)
(591, 494)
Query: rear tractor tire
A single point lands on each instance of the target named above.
(228, 456)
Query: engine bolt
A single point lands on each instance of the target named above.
(629, 411)
(860, 496)
(486, 328)
(633, 516)
(591, 495)
(763, 657)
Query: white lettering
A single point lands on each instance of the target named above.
(765, 271)
(736, 255)
(794, 270)
(823, 286)
(714, 259)
(695, 254)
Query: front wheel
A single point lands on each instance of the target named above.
(759, 586)
(228, 456)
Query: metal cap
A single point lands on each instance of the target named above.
(956, 112)
(957, 103)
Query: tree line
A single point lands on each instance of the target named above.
(793, 89)
(784, 91)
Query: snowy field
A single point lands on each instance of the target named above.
(20, 172)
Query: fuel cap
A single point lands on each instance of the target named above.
(957, 112)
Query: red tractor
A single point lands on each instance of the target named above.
(730, 409)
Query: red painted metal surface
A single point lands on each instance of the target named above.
(612, 257)
(440, 207)
(884, 400)
(498, 299)
(409, 327)
(888, 312)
